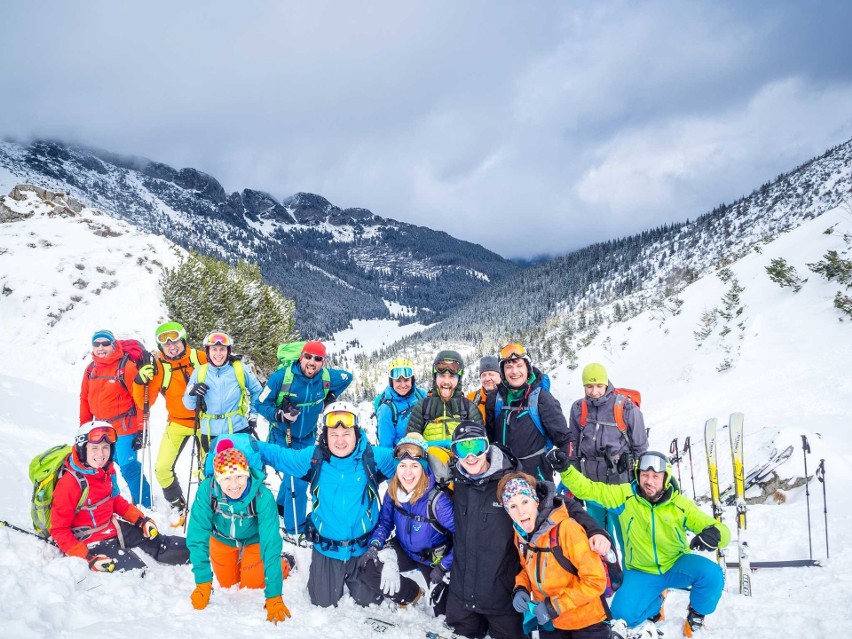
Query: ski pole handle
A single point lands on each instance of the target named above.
(805, 445)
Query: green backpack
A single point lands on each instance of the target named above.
(45, 471)
(288, 354)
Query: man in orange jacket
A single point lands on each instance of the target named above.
(169, 376)
(105, 395)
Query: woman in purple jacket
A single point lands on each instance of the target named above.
(421, 513)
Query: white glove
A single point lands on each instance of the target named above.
(390, 572)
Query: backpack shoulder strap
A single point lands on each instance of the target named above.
(240, 372)
(584, 412)
(119, 374)
(618, 410)
(202, 373)
(394, 410)
(532, 405)
(193, 358)
(432, 498)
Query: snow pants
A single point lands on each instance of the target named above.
(175, 439)
(639, 597)
(599, 630)
(243, 566)
(328, 576)
(292, 496)
(164, 548)
(131, 470)
(474, 624)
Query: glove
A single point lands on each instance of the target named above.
(390, 579)
(289, 415)
(372, 554)
(707, 539)
(201, 595)
(138, 441)
(439, 579)
(562, 461)
(276, 610)
(199, 390)
(252, 429)
(521, 600)
(149, 528)
(625, 463)
(330, 398)
(437, 575)
(101, 563)
(542, 613)
(145, 374)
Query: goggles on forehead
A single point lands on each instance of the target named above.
(466, 447)
(97, 435)
(168, 336)
(222, 339)
(450, 366)
(401, 372)
(651, 461)
(513, 351)
(401, 453)
(339, 418)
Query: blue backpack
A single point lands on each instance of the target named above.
(532, 407)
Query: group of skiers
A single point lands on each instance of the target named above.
(470, 502)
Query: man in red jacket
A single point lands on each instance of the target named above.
(85, 502)
(106, 395)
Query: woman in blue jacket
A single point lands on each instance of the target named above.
(396, 401)
(422, 516)
(344, 472)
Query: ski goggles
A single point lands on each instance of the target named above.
(170, 336)
(466, 447)
(652, 461)
(401, 372)
(101, 343)
(97, 435)
(222, 339)
(513, 351)
(311, 356)
(445, 366)
(401, 453)
(339, 418)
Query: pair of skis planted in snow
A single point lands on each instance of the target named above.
(735, 429)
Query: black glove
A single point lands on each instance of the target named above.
(440, 579)
(707, 539)
(372, 554)
(562, 461)
(252, 429)
(329, 398)
(199, 390)
(625, 463)
(290, 415)
(138, 441)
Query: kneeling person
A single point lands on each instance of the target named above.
(86, 502)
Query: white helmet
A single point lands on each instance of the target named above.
(100, 430)
(331, 420)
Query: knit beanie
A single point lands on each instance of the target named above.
(489, 363)
(595, 373)
(103, 334)
(229, 462)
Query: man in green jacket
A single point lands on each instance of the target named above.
(654, 517)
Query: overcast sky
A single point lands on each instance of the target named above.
(528, 127)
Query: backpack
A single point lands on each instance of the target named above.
(45, 471)
(168, 370)
(381, 398)
(448, 422)
(134, 351)
(287, 355)
(240, 372)
(532, 407)
(622, 396)
(614, 574)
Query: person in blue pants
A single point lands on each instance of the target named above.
(292, 401)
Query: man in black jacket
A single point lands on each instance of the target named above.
(485, 560)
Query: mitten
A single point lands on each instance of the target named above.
(201, 595)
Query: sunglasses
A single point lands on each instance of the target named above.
(652, 462)
(401, 372)
(97, 435)
(447, 366)
(107, 343)
(223, 339)
(310, 356)
(169, 336)
(466, 447)
(339, 418)
(513, 351)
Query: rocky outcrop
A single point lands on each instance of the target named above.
(31, 198)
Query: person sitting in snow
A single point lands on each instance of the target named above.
(420, 515)
(345, 471)
(87, 506)
(234, 529)
(656, 552)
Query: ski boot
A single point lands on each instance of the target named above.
(645, 630)
(660, 616)
(694, 622)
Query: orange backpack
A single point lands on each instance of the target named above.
(622, 395)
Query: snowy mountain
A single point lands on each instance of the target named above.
(65, 273)
(337, 264)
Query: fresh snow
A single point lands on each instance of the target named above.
(789, 375)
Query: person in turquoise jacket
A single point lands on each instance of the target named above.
(654, 517)
(227, 389)
(396, 402)
(345, 471)
(233, 532)
(293, 419)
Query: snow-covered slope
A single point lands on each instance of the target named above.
(789, 374)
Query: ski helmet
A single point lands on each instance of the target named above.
(94, 432)
(170, 332)
(451, 361)
(336, 414)
(401, 367)
(515, 350)
(220, 338)
(656, 461)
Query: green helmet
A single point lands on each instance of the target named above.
(170, 332)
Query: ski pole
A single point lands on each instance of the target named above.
(192, 458)
(289, 439)
(6, 524)
(146, 410)
(820, 475)
(687, 448)
(674, 450)
(806, 448)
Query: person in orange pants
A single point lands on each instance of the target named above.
(233, 531)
